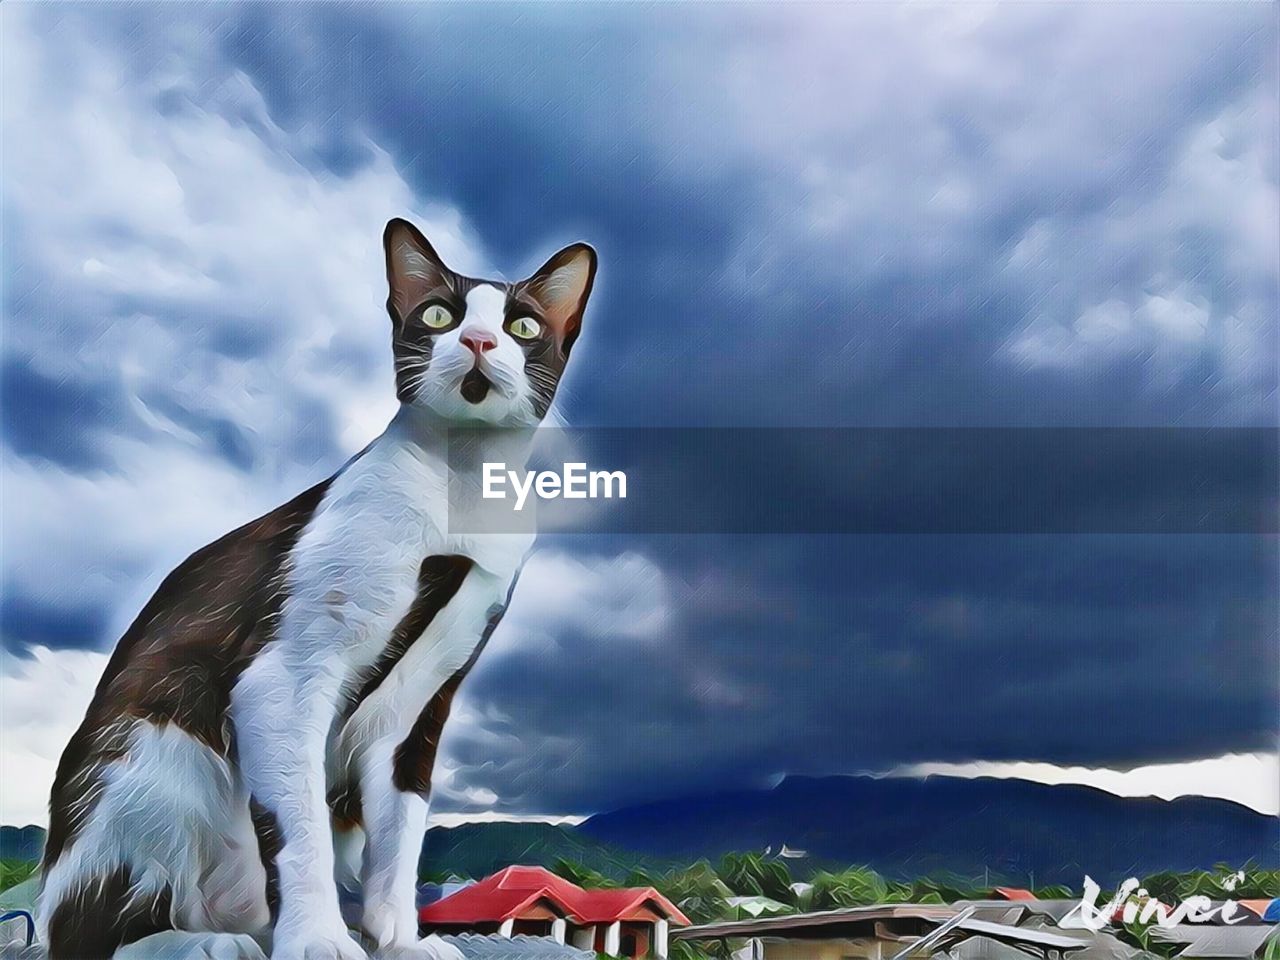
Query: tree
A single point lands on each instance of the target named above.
(698, 891)
(583, 876)
(751, 875)
(855, 887)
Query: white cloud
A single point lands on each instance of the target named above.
(942, 150)
(622, 598)
(162, 218)
(1205, 251)
(42, 701)
(1251, 779)
(197, 223)
(456, 819)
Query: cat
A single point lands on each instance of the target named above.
(284, 690)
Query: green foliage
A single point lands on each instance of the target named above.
(940, 889)
(13, 872)
(751, 875)
(1054, 893)
(697, 890)
(702, 891)
(477, 850)
(581, 875)
(856, 887)
(1221, 883)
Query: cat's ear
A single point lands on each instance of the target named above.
(414, 269)
(561, 287)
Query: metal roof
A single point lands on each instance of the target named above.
(766, 925)
(1006, 934)
(474, 946)
(1208, 940)
(781, 926)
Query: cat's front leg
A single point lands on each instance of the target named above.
(395, 823)
(395, 786)
(283, 707)
(392, 741)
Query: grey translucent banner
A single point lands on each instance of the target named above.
(909, 481)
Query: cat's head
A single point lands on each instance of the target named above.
(482, 350)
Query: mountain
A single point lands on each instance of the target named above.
(479, 849)
(21, 843)
(909, 827)
(470, 850)
(904, 828)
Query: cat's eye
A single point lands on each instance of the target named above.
(524, 328)
(437, 316)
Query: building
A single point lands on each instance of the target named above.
(881, 932)
(532, 901)
(1011, 928)
(1013, 893)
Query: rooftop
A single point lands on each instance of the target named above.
(518, 891)
(474, 946)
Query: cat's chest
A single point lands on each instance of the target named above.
(360, 560)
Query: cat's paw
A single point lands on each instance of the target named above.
(334, 944)
(428, 948)
(388, 924)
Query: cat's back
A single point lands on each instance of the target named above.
(206, 618)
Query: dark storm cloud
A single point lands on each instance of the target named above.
(840, 654)
(797, 224)
(56, 420)
(829, 215)
(27, 621)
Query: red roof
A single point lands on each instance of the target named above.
(518, 890)
(1014, 893)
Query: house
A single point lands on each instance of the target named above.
(1013, 893)
(629, 922)
(1267, 911)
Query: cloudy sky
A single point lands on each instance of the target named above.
(1048, 215)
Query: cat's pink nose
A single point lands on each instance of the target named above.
(477, 341)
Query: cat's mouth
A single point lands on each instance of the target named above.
(475, 386)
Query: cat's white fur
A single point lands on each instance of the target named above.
(352, 578)
(177, 813)
(167, 789)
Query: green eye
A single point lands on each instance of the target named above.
(437, 317)
(524, 328)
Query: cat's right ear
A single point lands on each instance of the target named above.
(414, 269)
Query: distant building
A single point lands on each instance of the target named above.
(998, 929)
(629, 922)
(876, 933)
(1013, 893)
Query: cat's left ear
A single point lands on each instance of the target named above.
(414, 269)
(561, 287)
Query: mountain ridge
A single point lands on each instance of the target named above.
(911, 826)
(1016, 830)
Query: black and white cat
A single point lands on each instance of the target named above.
(285, 689)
